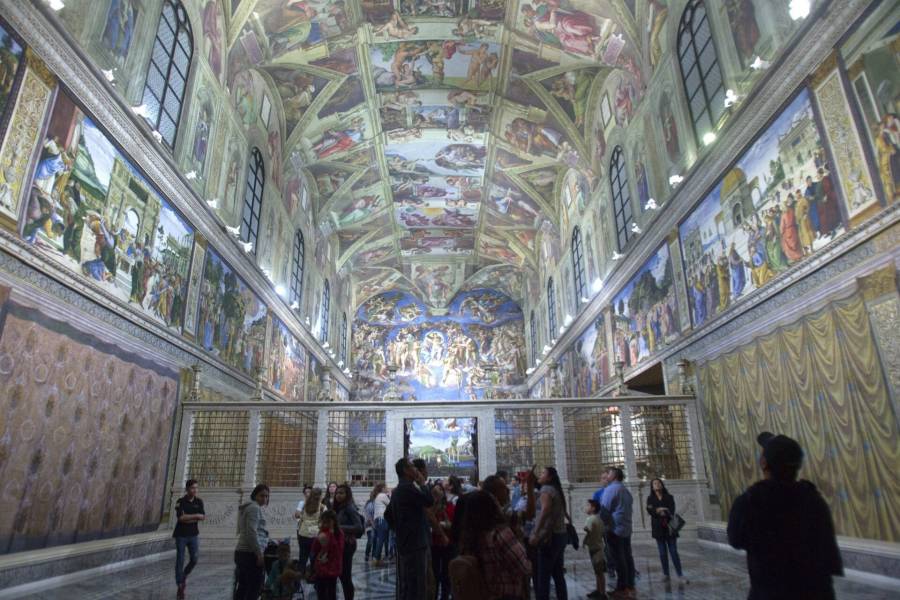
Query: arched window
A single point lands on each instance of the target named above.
(532, 326)
(551, 307)
(253, 195)
(326, 306)
(621, 196)
(578, 265)
(344, 344)
(700, 70)
(297, 268)
(167, 74)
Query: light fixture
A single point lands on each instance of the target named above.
(568, 320)
(307, 321)
(56, 5)
(213, 203)
(708, 138)
(325, 344)
(546, 348)
(651, 205)
(759, 64)
(279, 289)
(635, 229)
(562, 329)
(529, 370)
(340, 363)
(553, 342)
(730, 98)
(295, 305)
(247, 246)
(157, 136)
(675, 180)
(597, 285)
(585, 299)
(141, 110)
(537, 362)
(799, 9)
(267, 273)
(190, 175)
(235, 231)
(617, 256)
(108, 74)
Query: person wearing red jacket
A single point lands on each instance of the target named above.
(328, 548)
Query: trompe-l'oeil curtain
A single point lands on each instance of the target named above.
(818, 380)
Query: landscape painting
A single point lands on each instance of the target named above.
(232, 323)
(448, 446)
(287, 371)
(91, 210)
(779, 204)
(645, 312)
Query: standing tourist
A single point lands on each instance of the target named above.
(369, 514)
(328, 550)
(188, 512)
(595, 532)
(352, 526)
(307, 489)
(785, 526)
(308, 524)
(549, 536)
(328, 500)
(441, 549)
(618, 501)
(407, 513)
(661, 508)
(252, 540)
(382, 531)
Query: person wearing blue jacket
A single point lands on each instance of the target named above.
(618, 501)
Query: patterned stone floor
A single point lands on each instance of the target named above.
(712, 575)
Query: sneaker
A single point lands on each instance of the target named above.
(666, 578)
(181, 588)
(683, 580)
(598, 595)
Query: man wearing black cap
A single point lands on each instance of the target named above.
(785, 527)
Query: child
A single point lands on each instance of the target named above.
(593, 541)
(282, 577)
(328, 548)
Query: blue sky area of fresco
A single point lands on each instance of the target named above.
(656, 264)
(419, 436)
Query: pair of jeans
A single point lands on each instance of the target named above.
(411, 574)
(370, 542)
(347, 570)
(669, 545)
(249, 576)
(440, 565)
(305, 546)
(381, 538)
(620, 551)
(192, 544)
(550, 556)
(326, 588)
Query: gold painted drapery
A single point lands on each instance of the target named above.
(820, 381)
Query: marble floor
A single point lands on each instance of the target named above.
(712, 574)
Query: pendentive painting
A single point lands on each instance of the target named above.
(777, 205)
(448, 446)
(232, 323)
(90, 209)
(645, 312)
(477, 348)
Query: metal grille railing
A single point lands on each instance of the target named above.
(523, 437)
(594, 441)
(286, 449)
(356, 447)
(217, 448)
(662, 443)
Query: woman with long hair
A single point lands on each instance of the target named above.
(369, 514)
(328, 500)
(550, 538)
(351, 525)
(308, 524)
(252, 539)
(328, 550)
(661, 508)
(501, 556)
(382, 531)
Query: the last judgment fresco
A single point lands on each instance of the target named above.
(477, 348)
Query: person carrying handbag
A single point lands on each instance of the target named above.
(661, 508)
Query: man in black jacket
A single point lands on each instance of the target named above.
(785, 526)
(408, 503)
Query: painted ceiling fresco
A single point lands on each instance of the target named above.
(434, 135)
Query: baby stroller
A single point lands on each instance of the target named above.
(275, 590)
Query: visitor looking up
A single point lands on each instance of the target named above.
(369, 514)
(188, 512)
(661, 508)
(786, 528)
(352, 526)
(306, 491)
(252, 539)
(618, 501)
(329, 495)
(409, 502)
(594, 542)
(550, 538)
(382, 500)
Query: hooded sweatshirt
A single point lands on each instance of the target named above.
(252, 533)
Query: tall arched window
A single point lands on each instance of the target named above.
(532, 326)
(578, 265)
(326, 307)
(167, 74)
(253, 195)
(297, 268)
(344, 344)
(551, 307)
(700, 70)
(621, 196)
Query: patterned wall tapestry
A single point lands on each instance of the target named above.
(84, 435)
(820, 381)
(440, 357)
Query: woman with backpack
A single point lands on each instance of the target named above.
(492, 562)
(308, 525)
(352, 526)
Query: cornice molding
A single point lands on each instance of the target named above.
(45, 36)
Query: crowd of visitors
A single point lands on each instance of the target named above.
(504, 540)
